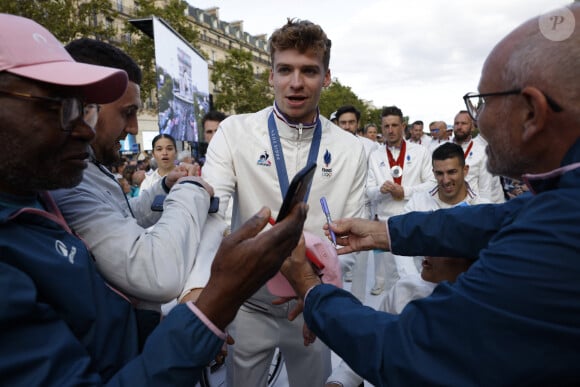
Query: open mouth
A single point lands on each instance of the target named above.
(296, 99)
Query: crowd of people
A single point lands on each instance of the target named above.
(474, 238)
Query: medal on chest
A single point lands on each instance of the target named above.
(396, 171)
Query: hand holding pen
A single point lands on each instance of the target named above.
(328, 218)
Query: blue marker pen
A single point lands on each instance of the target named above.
(328, 218)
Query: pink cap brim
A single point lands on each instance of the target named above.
(97, 84)
(325, 252)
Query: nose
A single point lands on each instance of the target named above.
(296, 80)
(446, 179)
(82, 131)
(132, 126)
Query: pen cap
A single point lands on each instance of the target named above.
(326, 254)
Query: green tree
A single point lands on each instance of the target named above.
(373, 115)
(141, 47)
(238, 88)
(337, 95)
(67, 19)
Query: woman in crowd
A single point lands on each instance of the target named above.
(165, 154)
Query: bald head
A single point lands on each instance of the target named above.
(532, 117)
(529, 56)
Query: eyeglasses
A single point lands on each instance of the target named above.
(71, 109)
(475, 102)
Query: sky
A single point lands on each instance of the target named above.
(421, 55)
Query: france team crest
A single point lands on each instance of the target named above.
(326, 169)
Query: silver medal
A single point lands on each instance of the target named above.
(396, 171)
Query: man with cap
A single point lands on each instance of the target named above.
(61, 323)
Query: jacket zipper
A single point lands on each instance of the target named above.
(297, 167)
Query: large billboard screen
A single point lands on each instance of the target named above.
(182, 85)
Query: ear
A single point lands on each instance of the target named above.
(327, 79)
(536, 112)
(465, 170)
(271, 77)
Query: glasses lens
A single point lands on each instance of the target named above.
(473, 103)
(71, 109)
(91, 114)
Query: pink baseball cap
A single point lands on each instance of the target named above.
(325, 252)
(29, 50)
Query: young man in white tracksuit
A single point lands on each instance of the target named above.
(251, 158)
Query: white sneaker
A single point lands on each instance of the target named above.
(377, 290)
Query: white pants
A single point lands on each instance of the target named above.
(257, 334)
(359, 276)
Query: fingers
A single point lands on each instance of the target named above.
(295, 312)
(282, 300)
(189, 169)
(308, 336)
(284, 236)
(252, 226)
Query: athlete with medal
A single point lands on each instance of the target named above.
(395, 173)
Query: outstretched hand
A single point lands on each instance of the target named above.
(246, 259)
(355, 234)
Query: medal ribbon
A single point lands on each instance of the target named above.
(468, 149)
(279, 153)
(400, 160)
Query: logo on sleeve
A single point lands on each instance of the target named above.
(61, 248)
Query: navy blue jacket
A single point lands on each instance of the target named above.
(62, 325)
(512, 319)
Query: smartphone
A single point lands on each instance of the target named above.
(157, 205)
(214, 205)
(297, 190)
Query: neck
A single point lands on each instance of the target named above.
(164, 171)
(458, 198)
(396, 144)
(307, 123)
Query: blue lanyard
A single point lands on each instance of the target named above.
(279, 152)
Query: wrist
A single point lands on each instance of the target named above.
(304, 287)
(217, 306)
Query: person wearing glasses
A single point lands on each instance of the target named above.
(481, 181)
(439, 135)
(513, 318)
(152, 266)
(62, 324)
